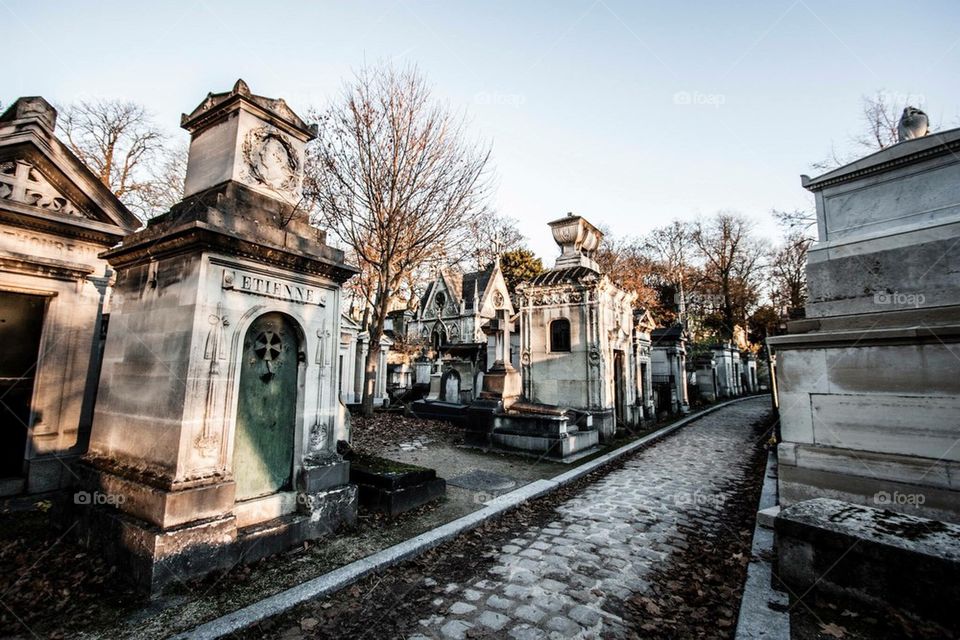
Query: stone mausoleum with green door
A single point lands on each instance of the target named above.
(214, 437)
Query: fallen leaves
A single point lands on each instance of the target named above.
(696, 593)
(833, 630)
(46, 578)
(383, 432)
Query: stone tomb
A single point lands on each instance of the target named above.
(705, 366)
(669, 360)
(643, 325)
(576, 334)
(56, 217)
(868, 388)
(582, 356)
(216, 426)
(354, 347)
(460, 317)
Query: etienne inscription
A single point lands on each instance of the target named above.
(272, 288)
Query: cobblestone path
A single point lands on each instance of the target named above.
(568, 579)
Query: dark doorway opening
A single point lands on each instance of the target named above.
(21, 326)
(619, 387)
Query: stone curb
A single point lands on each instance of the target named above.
(348, 574)
(757, 620)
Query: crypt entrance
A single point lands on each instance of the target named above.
(263, 451)
(21, 327)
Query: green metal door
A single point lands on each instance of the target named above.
(267, 408)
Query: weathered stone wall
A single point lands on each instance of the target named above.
(867, 383)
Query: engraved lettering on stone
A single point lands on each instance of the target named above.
(263, 286)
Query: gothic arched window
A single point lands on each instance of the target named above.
(560, 335)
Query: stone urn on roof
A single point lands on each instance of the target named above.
(578, 241)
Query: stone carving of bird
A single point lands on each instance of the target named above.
(913, 124)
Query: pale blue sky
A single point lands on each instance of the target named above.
(583, 101)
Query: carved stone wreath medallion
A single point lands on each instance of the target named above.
(271, 159)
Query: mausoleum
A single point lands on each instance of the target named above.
(354, 347)
(56, 218)
(669, 361)
(577, 334)
(218, 414)
(869, 394)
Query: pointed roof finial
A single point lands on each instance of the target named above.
(241, 87)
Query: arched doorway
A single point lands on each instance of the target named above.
(267, 407)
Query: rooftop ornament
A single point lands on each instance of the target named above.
(913, 124)
(578, 241)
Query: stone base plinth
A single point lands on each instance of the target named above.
(146, 530)
(885, 559)
(319, 514)
(550, 435)
(502, 383)
(605, 422)
(439, 410)
(868, 407)
(49, 473)
(393, 494)
(561, 448)
(919, 487)
(151, 558)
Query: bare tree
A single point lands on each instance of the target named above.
(788, 266)
(798, 220)
(396, 181)
(490, 235)
(670, 247)
(880, 117)
(627, 262)
(120, 143)
(165, 188)
(731, 266)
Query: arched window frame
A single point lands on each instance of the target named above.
(560, 335)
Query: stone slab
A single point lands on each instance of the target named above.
(853, 552)
(396, 501)
(481, 480)
(314, 478)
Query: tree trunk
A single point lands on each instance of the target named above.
(375, 332)
(370, 377)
